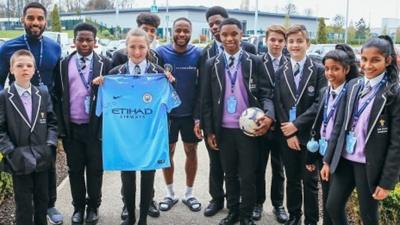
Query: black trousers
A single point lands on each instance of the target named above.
(270, 146)
(325, 192)
(300, 182)
(216, 176)
(239, 160)
(84, 154)
(28, 189)
(347, 176)
(129, 192)
(52, 180)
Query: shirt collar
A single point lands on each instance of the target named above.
(22, 90)
(236, 55)
(142, 65)
(301, 63)
(272, 57)
(337, 90)
(88, 58)
(374, 81)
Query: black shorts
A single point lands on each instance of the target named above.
(183, 125)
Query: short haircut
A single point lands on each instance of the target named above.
(148, 19)
(296, 28)
(231, 21)
(216, 10)
(36, 5)
(182, 18)
(85, 27)
(277, 29)
(19, 53)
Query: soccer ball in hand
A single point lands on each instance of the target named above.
(247, 121)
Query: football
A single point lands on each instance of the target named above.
(248, 118)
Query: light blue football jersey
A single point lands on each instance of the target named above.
(135, 121)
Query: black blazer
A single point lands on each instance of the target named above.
(208, 52)
(27, 146)
(382, 147)
(312, 81)
(101, 66)
(120, 57)
(259, 90)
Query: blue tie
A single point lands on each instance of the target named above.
(296, 69)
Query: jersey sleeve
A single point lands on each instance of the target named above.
(172, 99)
(99, 103)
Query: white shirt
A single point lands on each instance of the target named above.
(88, 59)
(301, 64)
(235, 61)
(142, 65)
(22, 90)
(374, 81)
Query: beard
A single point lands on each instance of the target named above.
(34, 34)
(178, 42)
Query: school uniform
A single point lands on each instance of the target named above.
(28, 136)
(373, 161)
(120, 57)
(332, 104)
(128, 178)
(270, 145)
(238, 152)
(216, 174)
(295, 95)
(80, 128)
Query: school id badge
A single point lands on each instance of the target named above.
(350, 142)
(231, 104)
(292, 114)
(323, 145)
(87, 104)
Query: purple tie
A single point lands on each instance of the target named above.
(27, 101)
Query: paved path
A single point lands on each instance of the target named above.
(179, 215)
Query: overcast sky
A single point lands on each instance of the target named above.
(371, 10)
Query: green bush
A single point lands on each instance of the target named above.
(5, 185)
(389, 208)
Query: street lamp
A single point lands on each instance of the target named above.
(347, 22)
(256, 18)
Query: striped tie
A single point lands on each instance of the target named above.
(231, 61)
(296, 69)
(83, 63)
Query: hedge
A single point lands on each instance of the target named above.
(5, 185)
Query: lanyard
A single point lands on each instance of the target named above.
(85, 83)
(328, 116)
(233, 77)
(359, 110)
(38, 66)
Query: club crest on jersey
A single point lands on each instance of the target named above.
(147, 98)
(168, 67)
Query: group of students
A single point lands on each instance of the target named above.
(345, 133)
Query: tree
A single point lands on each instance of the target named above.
(351, 32)
(385, 30)
(99, 4)
(55, 19)
(308, 12)
(362, 30)
(322, 35)
(286, 22)
(337, 26)
(290, 9)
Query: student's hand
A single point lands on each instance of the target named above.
(98, 80)
(264, 123)
(294, 143)
(197, 130)
(325, 172)
(310, 167)
(288, 128)
(212, 142)
(170, 78)
(380, 193)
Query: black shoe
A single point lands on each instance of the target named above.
(257, 212)
(280, 214)
(293, 221)
(127, 222)
(91, 216)
(247, 221)
(124, 213)
(230, 219)
(212, 208)
(153, 210)
(77, 217)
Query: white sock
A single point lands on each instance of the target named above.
(189, 192)
(170, 191)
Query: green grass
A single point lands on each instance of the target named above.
(10, 33)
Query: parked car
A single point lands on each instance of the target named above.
(114, 46)
(259, 42)
(61, 38)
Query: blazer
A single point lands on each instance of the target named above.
(123, 69)
(259, 90)
(27, 146)
(101, 66)
(382, 148)
(208, 52)
(312, 81)
(120, 57)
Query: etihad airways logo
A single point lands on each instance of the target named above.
(132, 113)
